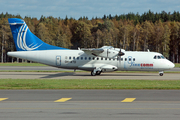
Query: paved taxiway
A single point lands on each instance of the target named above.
(86, 75)
(46, 68)
(79, 75)
(90, 104)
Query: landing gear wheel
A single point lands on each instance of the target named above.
(161, 74)
(92, 73)
(98, 72)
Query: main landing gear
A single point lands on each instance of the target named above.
(94, 73)
(161, 73)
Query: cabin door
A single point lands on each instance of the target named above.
(58, 60)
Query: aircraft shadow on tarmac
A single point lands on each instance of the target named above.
(87, 74)
(59, 75)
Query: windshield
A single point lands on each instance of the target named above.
(159, 57)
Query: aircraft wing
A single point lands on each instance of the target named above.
(105, 51)
(93, 51)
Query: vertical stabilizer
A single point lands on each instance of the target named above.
(25, 40)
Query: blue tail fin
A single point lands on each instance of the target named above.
(25, 40)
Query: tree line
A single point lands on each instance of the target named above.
(159, 32)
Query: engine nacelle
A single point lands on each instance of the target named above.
(109, 52)
(105, 51)
(108, 68)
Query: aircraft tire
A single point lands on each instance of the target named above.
(161, 74)
(92, 73)
(98, 72)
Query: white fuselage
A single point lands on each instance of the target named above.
(77, 59)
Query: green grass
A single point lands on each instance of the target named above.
(21, 64)
(177, 65)
(88, 84)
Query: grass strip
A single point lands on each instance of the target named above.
(177, 65)
(88, 84)
(21, 64)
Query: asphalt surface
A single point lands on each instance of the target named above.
(86, 75)
(90, 104)
(46, 68)
(78, 75)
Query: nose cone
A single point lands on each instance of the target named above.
(170, 65)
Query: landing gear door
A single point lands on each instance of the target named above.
(58, 60)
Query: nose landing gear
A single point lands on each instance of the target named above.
(161, 73)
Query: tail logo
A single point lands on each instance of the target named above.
(21, 40)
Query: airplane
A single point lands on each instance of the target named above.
(96, 60)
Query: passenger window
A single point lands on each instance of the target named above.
(105, 58)
(97, 58)
(81, 58)
(154, 57)
(129, 59)
(77, 58)
(89, 58)
(121, 59)
(114, 59)
(73, 58)
(101, 58)
(109, 58)
(125, 59)
(93, 58)
(133, 59)
(85, 58)
(159, 57)
(69, 57)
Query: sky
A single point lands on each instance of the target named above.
(89, 8)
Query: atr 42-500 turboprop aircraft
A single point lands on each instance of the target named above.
(99, 60)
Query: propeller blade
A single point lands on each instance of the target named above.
(120, 53)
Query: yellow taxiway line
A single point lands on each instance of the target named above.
(63, 100)
(1, 99)
(128, 100)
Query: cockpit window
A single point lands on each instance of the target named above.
(159, 57)
(163, 57)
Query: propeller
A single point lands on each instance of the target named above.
(119, 56)
(120, 53)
